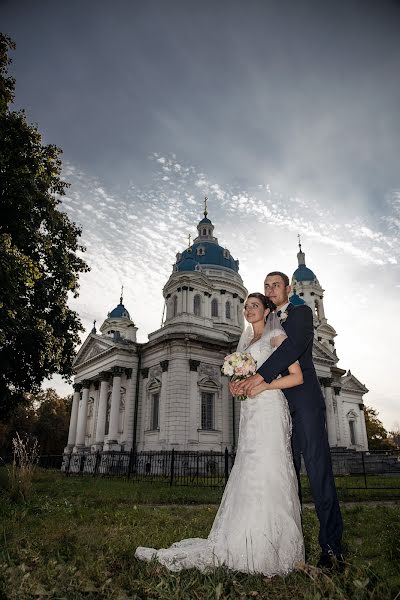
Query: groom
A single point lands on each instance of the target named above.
(307, 408)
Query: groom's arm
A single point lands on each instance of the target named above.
(300, 332)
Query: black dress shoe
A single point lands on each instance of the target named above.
(331, 562)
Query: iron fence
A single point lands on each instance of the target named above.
(374, 470)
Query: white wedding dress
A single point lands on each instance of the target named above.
(257, 528)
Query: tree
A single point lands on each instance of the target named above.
(39, 255)
(378, 437)
(43, 416)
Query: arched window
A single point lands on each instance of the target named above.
(214, 307)
(204, 232)
(174, 306)
(196, 305)
(316, 309)
(228, 310)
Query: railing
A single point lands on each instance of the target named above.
(173, 467)
(374, 470)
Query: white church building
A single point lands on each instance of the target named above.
(169, 393)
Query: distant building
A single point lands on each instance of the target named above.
(169, 392)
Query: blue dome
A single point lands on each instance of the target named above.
(303, 273)
(296, 300)
(119, 312)
(205, 221)
(213, 255)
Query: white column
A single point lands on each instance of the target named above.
(363, 427)
(330, 413)
(143, 424)
(225, 413)
(102, 413)
(194, 425)
(127, 435)
(74, 417)
(163, 401)
(115, 404)
(82, 417)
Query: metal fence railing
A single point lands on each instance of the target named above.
(372, 470)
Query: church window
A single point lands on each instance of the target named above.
(204, 231)
(316, 309)
(214, 307)
(196, 305)
(174, 306)
(228, 310)
(352, 433)
(155, 410)
(226, 253)
(201, 251)
(207, 410)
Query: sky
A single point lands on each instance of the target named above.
(286, 115)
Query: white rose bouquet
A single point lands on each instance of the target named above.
(239, 365)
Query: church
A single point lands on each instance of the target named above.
(169, 393)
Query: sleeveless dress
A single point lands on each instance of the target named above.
(257, 528)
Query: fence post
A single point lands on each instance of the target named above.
(226, 465)
(130, 463)
(365, 474)
(82, 463)
(97, 463)
(171, 481)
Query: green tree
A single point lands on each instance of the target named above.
(39, 255)
(43, 416)
(378, 437)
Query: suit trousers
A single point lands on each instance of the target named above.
(310, 439)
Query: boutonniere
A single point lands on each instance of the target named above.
(282, 315)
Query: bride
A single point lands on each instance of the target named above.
(257, 528)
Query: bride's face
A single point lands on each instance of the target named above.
(254, 311)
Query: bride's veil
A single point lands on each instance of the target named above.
(273, 328)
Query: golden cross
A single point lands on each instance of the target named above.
(205, 206)
(189, 241)
(298, 235)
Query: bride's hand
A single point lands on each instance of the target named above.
(261, 387)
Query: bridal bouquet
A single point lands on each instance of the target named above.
(239, 365)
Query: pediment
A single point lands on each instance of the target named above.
(322, 353)
(327, 329)
(352, 384)
(92, 347)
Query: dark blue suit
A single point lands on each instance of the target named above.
(307, 408)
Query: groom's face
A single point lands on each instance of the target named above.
(276, 290)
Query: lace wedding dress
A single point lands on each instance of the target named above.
(257, 528)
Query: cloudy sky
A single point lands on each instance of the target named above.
(286, 114)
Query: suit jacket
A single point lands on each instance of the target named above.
(298, 345)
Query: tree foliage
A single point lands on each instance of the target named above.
(43, 416)
(40, 258)
(378, 437)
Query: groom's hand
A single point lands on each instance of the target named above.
(245, 387)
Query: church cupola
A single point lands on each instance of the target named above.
(205, 228)
(306, 288)
(119, 324)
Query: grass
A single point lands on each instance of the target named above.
(75, 538)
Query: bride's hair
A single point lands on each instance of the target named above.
(267, 303)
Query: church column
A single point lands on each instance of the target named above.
(225, 413)
(102, 413)
(163, 401)
(143, 425)
(193, 401)
(131, 375)
(74, 417)
(185, 306)
(363, 427)
(115, 404)
(190, 306)
(330, 413)
(82, 417)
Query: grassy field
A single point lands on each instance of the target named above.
(75, 538)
